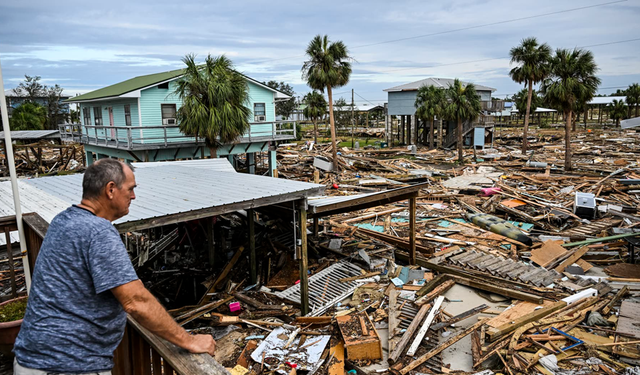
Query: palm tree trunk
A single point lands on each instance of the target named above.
(567, 141)
(431, 134)
(525, 131)
(333, 131)
(460, 153)
(213, 151)
(440, 133)
(315, 131)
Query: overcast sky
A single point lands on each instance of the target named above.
(86, 45)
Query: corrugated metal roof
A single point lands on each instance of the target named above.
(606, 99)
(162, 191)
(218, 164)
(32, 134)
(438, 82)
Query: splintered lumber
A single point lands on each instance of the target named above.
(448, 284)
(521, 321)
(621, 293)
(577, 254)
(431, 285)
(222, 275)
(397, 241)
(196, 313)
(497, 289)
(415, 323)
(372, 215)
(393, 316)
(438, 349)
(460, 317)
(336, 364)
(358, 277)
(425, 327)
(322, 320)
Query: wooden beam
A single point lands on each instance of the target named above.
(438, 349)
(459, 317)
(412, 231)
(425, 326)
(521, 321)
(393, 316)
(406, 337)
(621, 293)
(577, 254)
(222, 275)
(304, 261)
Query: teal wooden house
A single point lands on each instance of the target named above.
(135, 120)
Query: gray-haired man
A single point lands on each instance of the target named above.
(84, 282)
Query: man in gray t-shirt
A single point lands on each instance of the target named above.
(84, 285)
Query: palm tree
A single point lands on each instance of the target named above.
(315, 110)
(328, 66)
(521, 98)
(214, 98)
(463, 105)
(533, 67)
(633, 97)
(430, 102)
(572, 78)
(617, 110)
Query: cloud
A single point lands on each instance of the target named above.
(83, 46)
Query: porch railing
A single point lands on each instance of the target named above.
(144, 137)
(140, 352)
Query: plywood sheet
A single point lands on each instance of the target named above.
(519, 309)
(547, 253)
(629, 319)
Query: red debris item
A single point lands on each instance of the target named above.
(292, 365)
(297, 282)
(487, 192)
(335, 186)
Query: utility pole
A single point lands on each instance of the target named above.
(353, 122)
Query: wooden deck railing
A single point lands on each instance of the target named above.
(165, 136)
(143, 353)
(140, 352)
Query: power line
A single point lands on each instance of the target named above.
(457, 30)
(491, 24)
(365, 99)
(499, 58)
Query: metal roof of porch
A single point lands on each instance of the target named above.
(166, 194)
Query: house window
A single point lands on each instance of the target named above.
(164, 86)
(259, 112)
(127, 115)
(168, 114)
(86, 114)
(97, 115)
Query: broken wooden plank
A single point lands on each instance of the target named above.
(415, 323)
(497, 289)
(438, 349)
(425, 327)
(460, 317)
(521, 321)
(621, 293)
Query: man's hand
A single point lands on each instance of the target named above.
(202, 344)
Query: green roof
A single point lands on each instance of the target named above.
(128, 86)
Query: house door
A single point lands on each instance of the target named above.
(113, 131)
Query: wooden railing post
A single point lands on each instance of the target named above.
(129, 138)
(165, 135)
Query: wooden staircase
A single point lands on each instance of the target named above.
(451, 138)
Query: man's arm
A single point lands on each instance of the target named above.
(145, 308)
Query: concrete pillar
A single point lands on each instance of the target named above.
(251, 162)
(273, 163)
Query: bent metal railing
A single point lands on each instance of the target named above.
(139, 137)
